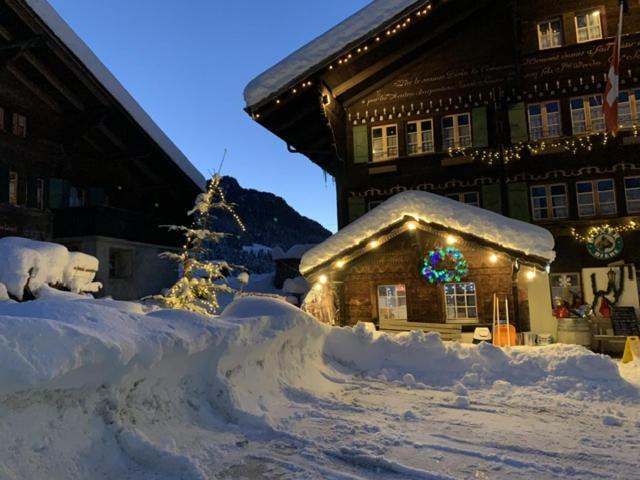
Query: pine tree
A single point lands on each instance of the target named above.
(202, 278)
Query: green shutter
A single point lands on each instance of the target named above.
(96, 197)
(492, 198)
(32, 192)
(58, 193)
(360, 144)
(518, 123)
(479, 127)
(519, 201)
(4, 184)
(357, 208)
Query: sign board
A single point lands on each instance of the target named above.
(625, 322)
(631, 349)
(605, 245)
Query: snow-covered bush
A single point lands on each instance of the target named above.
(26, 263)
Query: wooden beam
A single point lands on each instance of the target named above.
(113, 138)
(36, 90)
(53, 80)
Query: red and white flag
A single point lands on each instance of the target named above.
(610, 107)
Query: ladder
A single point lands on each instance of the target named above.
(504, 333)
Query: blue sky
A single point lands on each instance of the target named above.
(187, 63)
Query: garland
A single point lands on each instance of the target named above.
(444, 265)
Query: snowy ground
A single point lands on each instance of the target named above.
(100, 389)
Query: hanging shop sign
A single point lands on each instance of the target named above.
(606, 244)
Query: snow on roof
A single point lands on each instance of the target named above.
(69, 38)
(329, 44)
(431, 208)
(297, 251)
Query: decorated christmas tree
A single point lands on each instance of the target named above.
(202, 278)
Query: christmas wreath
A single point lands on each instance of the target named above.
(444, 265)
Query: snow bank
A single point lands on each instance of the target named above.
(24, 261)
(431, 208)
(330, 44)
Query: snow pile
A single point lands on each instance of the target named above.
(436, 209)
(331, 43)
(29, 262)
(296, 286)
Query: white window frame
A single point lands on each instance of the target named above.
(456, 130)
(593, 30)
(593, 118)
(596, 202)
(550, 209)
(631, 201)
(460, 197)
(389, 143)
(13, 188)
(422, 144)
(19, 125)
(461, 301)
(551, 122)
(399, 310)
(633, 106)
(556, 40)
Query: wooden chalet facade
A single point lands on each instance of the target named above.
(495, 103)
(80, 162)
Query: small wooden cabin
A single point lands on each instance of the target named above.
(420, 258)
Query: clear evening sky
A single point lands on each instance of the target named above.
(187, 62)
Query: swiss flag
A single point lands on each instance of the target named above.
(610, 107)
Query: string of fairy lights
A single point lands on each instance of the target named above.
(606, 228)
(363, 48)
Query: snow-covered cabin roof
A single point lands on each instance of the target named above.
(430, 208)
(295, 252)
(326, 46)
(69, 38)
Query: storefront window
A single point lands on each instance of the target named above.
(566, 288)
(461, 302)
(392, 302)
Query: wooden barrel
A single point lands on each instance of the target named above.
(575, 331)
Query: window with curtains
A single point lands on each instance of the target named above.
(420, 137)
(632, 194)
(384, 142)
(19, 125)
(470, 198)
(596, 197)
(544, 120)
(392, 302)
(549, 201)
(456, 131)
(550, 34)
(628, 103)
(588, 26)
(586, 114)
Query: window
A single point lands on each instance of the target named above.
(567, 288)
(392, 302)
(550, 34)
(544, 120)
(77, 197)
(420, 137)
(632, 194)
(120, 263)
(19, 125)
(628, 108)
(470, 198)
(373, 204)
(40, 193)
(588, 26)
(596, 197)
(460, 299)
(586, 114)
(13, 188)
(385, 142)
(456, 131)
(549, 201)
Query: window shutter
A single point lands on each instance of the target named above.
(357, 208)
(519, 201)
(360, 144)
(96, 197)
(492, 198)
(4, 184)
(518, 123)
(32, 192)
(58, 193)
(479, 127)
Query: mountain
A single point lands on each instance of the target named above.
(268, 218)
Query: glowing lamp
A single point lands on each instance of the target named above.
(340, 263)
(323, 279)
(493, 258)
(374, 244)
(531, 274)
(451, 240)
(411, 225)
